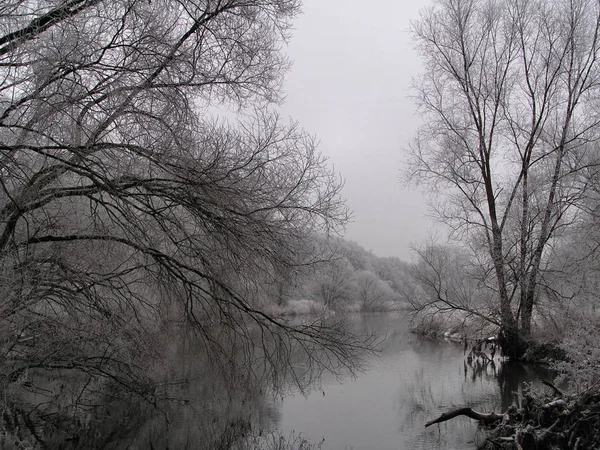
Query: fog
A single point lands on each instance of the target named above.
(350, 86)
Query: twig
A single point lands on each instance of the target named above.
(556, 390)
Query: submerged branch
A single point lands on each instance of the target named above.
(482, 417)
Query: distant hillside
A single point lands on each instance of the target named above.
(352, 279)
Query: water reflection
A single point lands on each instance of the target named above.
(513, 375)
(410, 382)
(199, 403)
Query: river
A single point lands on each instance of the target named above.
(409, 382)
(385, 406)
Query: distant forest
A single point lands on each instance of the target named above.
(350, 279)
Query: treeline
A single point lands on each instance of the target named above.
(349, 278)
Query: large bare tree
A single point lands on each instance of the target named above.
(510, 99)
(127, 205)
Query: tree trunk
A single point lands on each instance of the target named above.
(511, 342)
(526, 314)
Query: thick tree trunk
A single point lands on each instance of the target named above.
(526, 314)
(511, 341)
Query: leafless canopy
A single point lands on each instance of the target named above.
(126, 205)
(510, 99)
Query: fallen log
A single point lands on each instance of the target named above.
(482, 417)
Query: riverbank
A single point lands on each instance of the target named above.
(540, 419)
(554, 422)
(309, 307)
(409, 382)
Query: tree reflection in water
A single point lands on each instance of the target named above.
(201, 404)
(513, 375)
(201, 410)
(410, 382)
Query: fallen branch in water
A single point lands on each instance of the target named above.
(482, 417)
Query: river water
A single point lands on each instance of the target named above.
(409, 382)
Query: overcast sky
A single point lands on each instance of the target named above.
(352, 67)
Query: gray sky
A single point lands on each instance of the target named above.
(349, 85)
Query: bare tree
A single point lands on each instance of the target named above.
(334, 283)
(509, 97)
(127, 207)
(452, 284)
(372, 292)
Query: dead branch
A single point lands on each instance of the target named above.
(554, 388)
(482, 417)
